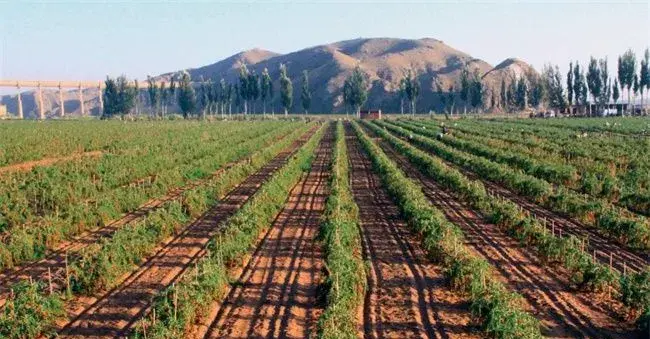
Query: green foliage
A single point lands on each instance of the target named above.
(286, 90)
(118, 96)
(340, 230)
(29, 313)
(186, 95)
(305, 93)
(355, 90)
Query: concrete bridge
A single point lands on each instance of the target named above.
(61, 85)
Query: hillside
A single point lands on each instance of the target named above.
(384, 60)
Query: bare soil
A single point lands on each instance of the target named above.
(277, 294)
(114, 314)
(407, 295)
(562, 311)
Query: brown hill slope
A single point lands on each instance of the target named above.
(384, 60)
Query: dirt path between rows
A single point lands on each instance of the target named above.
(28, 165)
(52, 267)
(116, 312)
(407, 295)
(277, 294)
(622, 258)
(562, 311)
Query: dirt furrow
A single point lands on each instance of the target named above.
(52, 267)
(116, 312)
(562, 311)
(277, 293)
(407, 295)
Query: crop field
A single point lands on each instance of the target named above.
(329, 228)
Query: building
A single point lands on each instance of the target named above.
(372, 114)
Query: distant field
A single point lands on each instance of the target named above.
(171, 229)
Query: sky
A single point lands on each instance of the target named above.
(83, 40)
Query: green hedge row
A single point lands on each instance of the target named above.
(346, 281)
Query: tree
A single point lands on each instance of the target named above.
(119, 97)
(476, 90)
(594, 80)
(244, 89)
(464, 87)
(171, 98)
(136, 87)
(569, 87)
(355, 90)
(579, 86)
(253, 89)
(402, 94)
(442, 96)
(286, 90)
(154, 93)
(536, 92)
(605, 82)
(452, 99)
(615, 92)
(186, 95)
(635, 88)
(644, 76)
(412, 89)
(164, 96)
(305, 94)
(504, 95)
(266, 87)
(521, 94)
(230, 96)
(552, 82)
(626, 71)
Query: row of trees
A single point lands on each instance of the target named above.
(584, 88)
(204, 97)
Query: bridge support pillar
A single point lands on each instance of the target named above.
(41, 109)
(61, 102)
(20, 103)
(81, 101)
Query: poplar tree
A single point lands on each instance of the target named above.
(243, 86)
(266, 88)
(286, 90)
(569, 87)
(153, 92)
(186, 95)
(626, 72)
(355, 91)
(412, 89)
(305, 94)
(644, 76)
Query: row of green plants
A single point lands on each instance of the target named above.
(346, 280)
(633, 290)
(30, 241)
(628, 230)
(500, 310)
(177, 308)
(593, 178)
(623, 125)
(624, 156)
(101, 266)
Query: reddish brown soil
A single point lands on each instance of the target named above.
(28, 165)
(407, 295)
(53, 265)
(116, 312)
(562, 311)
(277, 293)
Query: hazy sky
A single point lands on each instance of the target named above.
(88, 40)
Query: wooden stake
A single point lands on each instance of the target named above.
(175, 301)
(624, 268)
(594, 255)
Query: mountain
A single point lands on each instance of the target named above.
(385, 61)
